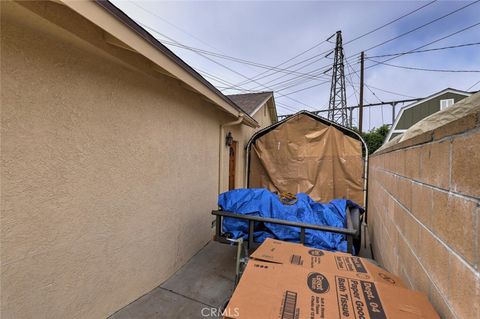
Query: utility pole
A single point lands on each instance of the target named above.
(393, 112)
(337, 107)
(360, 109)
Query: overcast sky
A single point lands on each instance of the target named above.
(270, 33)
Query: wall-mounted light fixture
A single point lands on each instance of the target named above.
(229, 139)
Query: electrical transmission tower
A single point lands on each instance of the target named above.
(337, 107)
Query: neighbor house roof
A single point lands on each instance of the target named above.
(250, 102)
(409, 106)
(132, 36)
(468, 107)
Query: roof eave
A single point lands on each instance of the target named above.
(115, 22)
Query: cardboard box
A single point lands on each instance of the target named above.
(282, 252)
(290, 281)
(277, 291)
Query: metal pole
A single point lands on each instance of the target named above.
(393, 112)
(360, 111)
(351, 117)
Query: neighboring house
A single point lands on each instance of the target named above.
(113, 154)
(415, 112)
(261, 107)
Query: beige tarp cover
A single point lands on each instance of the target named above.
(305, 155)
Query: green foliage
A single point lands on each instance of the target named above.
(375, 138)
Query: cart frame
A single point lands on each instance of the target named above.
(352, 231)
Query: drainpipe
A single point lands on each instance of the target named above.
(221, 148)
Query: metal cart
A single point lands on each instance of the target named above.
(352, 232)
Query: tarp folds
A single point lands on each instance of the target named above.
(304, 154)
(263, 203)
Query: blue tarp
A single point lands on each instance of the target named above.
(263, 203)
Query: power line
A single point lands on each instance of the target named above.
(350, 81)
(422, 26)
(366, 34)
(289, 72)
(285, 106)
(391, 92)
(295, 84)
(222, 65)
(172, 25)
(358, 75)
(373, 93)
(301, 75)
(391, 22)
(396, 37)
(220, 80)
(234, 59)
(286, 61)
(297, 80)
(348, 42)
(425, 69)
(427, 50)
(311, 77)
(403, 53)
(307, 88)
(323, 110)
(176, 43)
(429, 43)
(394, 57)
(473, 85)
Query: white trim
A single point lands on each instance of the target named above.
(448, 102)
(397, 118)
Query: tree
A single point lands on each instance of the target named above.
(375, 138)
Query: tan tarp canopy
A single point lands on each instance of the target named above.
(307, 154)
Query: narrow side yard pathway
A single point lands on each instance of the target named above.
(205, 281)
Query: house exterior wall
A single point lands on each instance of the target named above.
(415, 114)
(107, 168)
(242, 135)
(424, 215)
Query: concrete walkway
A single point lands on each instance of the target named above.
(205, 282)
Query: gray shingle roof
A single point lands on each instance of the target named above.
(249, 101)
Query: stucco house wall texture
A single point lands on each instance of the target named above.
(109, 170)
(424, 214)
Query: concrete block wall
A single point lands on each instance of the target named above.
(424, 214)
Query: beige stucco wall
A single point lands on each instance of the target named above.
(108, 170)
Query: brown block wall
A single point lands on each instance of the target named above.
(424, 206)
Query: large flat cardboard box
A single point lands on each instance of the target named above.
(346, 265)
(283, 291)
